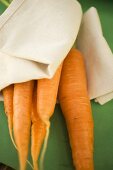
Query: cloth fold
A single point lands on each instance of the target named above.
(98, 57)
(35, 37)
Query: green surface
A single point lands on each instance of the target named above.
(58, 155)
(2, 8)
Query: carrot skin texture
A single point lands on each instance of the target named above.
(22, 104)
(38, 134)
(76, 108)
(47, 95)
(38, 131)
(46, 99)
(8, 105)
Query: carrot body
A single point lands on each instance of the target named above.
(47, 95)
(8, 105)
(46, 100)
(76, 108)
(38, 131)
(22, 104)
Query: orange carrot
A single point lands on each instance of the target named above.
(38, 131)
(8, 105)
(46, 100)
(22, 105)
(75, 104)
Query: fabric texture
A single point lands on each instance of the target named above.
(98, 57)
(35, 37)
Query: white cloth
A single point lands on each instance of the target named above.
(35, 37)
(98, 57)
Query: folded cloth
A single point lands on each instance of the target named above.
(35, 37)
(98, 57)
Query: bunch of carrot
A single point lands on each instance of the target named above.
(30, 105)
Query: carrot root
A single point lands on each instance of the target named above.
(76, 108)
(11, 136)
(33, 146)
(38, 132)
(22, 103)
(12, 139)
(47, 123)
(46, 99)
(30, 164)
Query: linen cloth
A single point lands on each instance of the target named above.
(35, 37)
(98, 57)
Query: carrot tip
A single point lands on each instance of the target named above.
(10, 132)
(29, 164)
(44, 145)
(11, 136)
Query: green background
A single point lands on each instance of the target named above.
(58, 155)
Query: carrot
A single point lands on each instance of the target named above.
(76, 107)
(22, 104)
(8, 105)
(38, 131)
(46, 100)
